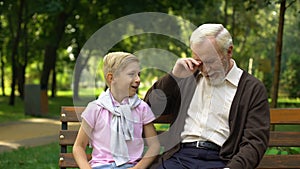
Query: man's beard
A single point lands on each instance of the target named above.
(217, 78)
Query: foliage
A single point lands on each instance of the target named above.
(283, 150)
(291, 80)
(253, 25)
(290, 77)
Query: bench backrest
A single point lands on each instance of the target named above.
(283, 116)
(287, 116)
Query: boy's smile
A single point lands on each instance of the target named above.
(126, 82)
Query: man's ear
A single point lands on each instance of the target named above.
(230, 51)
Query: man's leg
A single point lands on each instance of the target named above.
(193, 158)
(174, 163)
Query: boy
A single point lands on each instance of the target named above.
(114, 123)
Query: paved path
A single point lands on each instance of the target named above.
(28, 133)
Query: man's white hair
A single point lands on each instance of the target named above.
(217, 31)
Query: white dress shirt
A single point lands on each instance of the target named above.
(208, 113)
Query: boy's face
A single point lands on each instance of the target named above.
(127, 81)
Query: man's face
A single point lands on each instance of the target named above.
(214, 63)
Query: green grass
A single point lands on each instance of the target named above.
(288, 102)
(41, 157)
(16, 112)
(11, 113)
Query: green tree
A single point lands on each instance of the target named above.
(49, 28)
(16, 40)
(278, 53)
(291, 81)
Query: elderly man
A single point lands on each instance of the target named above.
(222, 111)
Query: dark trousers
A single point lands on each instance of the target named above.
(194, 158)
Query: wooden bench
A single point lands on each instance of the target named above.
(287, 116)
(284, 116)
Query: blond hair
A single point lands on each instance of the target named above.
(115, 62)
(217, 31)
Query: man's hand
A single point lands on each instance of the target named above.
(185, 67)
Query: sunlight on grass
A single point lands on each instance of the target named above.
(289, 100)
(82, 92)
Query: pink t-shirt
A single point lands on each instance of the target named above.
(99, 118)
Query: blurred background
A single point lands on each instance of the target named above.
(41, 42)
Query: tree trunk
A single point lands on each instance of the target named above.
(80, 64)
(277, 67)
(50, 51)
(2, 76)
(14, 53)
(50, 58)
(2, 65)
(21, 79)
(22, 62)
(53, 86)
(51, 48)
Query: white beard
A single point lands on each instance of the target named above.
(217, 78)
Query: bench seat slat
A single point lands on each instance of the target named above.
(69, 137)
(67, 160)
(71, 114)
(285, 116)
(284, 139)
(280, 161)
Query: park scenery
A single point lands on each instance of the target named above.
(52, 53)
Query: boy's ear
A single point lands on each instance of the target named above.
(109, 77)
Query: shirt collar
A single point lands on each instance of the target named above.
(234, 74)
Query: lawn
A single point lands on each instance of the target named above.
(13, 113)
(41, 157)
(16, 112)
